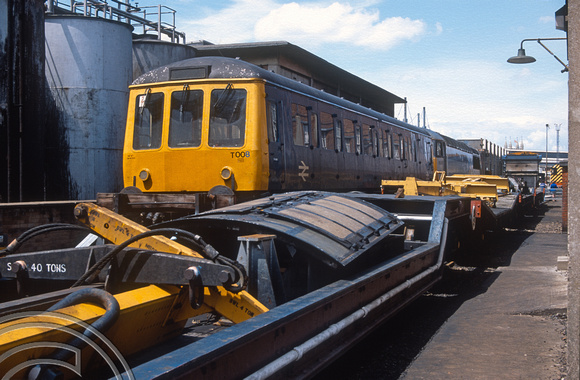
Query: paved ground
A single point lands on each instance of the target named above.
(516, 328)
(501, 316)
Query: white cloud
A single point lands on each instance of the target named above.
(307, 25)
(471, 99)
(337, 23)
(231, 24)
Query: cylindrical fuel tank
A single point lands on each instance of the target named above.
(149, 54)
(88, 69)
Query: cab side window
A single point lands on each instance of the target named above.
(439, 151)
(272, 120)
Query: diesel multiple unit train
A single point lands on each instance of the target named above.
(212, 121)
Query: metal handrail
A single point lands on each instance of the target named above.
(123, 12)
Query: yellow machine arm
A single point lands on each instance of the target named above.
(117, 229)
(143, 316)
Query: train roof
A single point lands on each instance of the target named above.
(224, 68)
(296, 63)
(449, 141)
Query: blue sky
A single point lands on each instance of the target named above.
(446, 55)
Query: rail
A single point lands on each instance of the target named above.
(147, 18)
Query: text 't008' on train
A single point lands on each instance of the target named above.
(213, 121)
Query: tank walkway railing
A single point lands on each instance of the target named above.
(138, 17)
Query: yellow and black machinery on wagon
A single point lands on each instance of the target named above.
(271, 287)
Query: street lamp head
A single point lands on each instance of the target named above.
(521, 57)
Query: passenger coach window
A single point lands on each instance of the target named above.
(186, 116)
(389, 148)
(367, 143)
(358, 136)
(349, 141)
(314, 125)
(337, 135)
(326, 131)
(227, 122)
(300, 127)
(272, 116)
(148, 121)
(397, 149)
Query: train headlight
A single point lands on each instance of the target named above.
(226, 173)
(144, 175)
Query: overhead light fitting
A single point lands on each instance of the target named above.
(523, 58)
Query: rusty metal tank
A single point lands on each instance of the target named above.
(88, 70)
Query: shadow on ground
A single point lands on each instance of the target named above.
(390, 349)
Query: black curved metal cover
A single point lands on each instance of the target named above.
(334, 227)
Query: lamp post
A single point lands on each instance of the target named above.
(546, 175)
(521, 57)
(557, 126)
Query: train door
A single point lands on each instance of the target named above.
(342, 173)
(367, 155)
(350, 176)
(316, 165)
(328, 152)
(275, 125)
(377, 148)
(299, 161)
(414, 156)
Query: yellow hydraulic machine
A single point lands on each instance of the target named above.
(130, 320)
